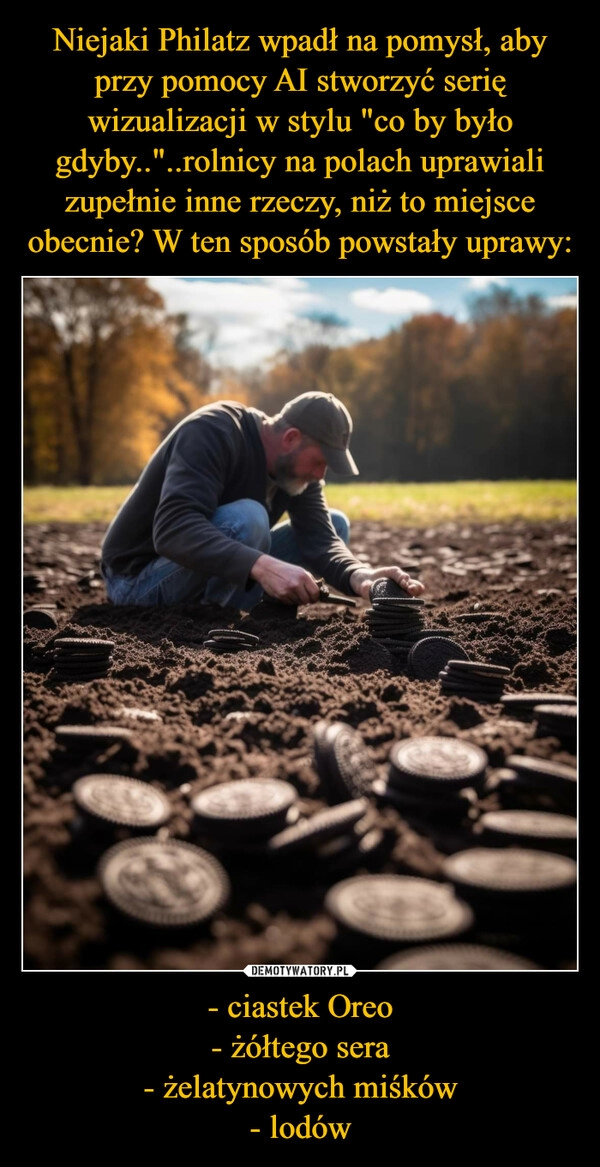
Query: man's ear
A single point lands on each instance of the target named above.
(290, 440)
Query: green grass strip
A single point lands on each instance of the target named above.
(393, 503)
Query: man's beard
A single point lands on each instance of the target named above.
(283, 473)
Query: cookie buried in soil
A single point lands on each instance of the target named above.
(203, 718)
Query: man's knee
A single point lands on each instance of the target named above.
(247, 521)
(256, 528)
(341, 524)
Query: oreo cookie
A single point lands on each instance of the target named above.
(478, 668)
(387, 589)
(231, 640)
(245, 809)
(90, 737)
(394, 614)
(556, 720)
(412, 637)
(33, 582)
(515, 886)
(236, 634)
(427, 657)
(342, 761)
(436, 763)
(552, 779)
(456, 957)
(112, 800)
(163, 883)
(397, 909)
(476, 680)
(359, 848)
(526, 702)
(485, 696)
(39, 618)
(89, 645)
(78, 658)
(394, 621)
(309, 834)
(133, 713)
(423, 805)
(530, 828)
(228, 644)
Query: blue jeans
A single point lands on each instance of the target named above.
(162, 583)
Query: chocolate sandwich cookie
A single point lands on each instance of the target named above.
(245, 809)
(353, 850)
(474, 692)
(109, 800)
(530, 828)
(84, 644)
(473, 679)
(477, 695)
(393, 612)
(552, 778)
(556, 720)
(400, 611)
(512, 884)
(427, 657)
(399, 599)
(229, 644)
(403, 604)
(457, 957)
(308, 834)
(33, 582)
(413, 636)
(91, 737)
(401, 643)
(132, 713)
(393, 631)
(321, 750)
(236, 634)
(478, 668)
(454, 680)
(39, 618)
(451, 686)
(398, 648)
(428, 803)
(443, 763)
(82, 658)
(386, 589)
(526, 702)
(342, 761)
(397, 909)
(164, 883)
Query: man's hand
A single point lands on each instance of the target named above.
(361, 580)
(285, 581)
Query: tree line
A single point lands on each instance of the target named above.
(108, 372)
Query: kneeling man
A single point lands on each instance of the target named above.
(201, 524)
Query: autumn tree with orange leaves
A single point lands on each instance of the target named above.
(106, 374)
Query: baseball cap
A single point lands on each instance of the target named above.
(322, 417)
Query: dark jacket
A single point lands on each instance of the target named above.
(213, 457)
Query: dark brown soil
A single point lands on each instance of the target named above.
(221, 718)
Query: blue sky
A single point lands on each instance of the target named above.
(242, 322)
